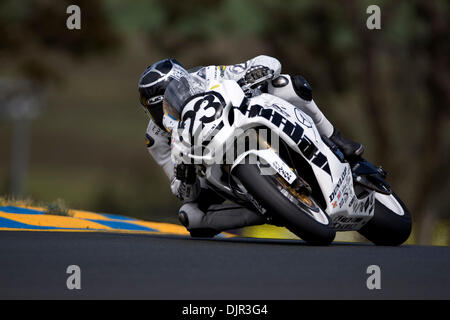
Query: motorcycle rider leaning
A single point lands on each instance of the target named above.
(203, 213)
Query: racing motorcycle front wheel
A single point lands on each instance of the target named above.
(391, 223)
(297, 211)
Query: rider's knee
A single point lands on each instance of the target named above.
(302, 87)
(291, 89)
(190, 215)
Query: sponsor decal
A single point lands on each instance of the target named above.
(287, 175)
(345, 196)
(222, 71)
(347, 180)
(338, 185)
(355, 206)
(364, 206)
(281, 110)
(301, 118)
(349, 219)
(149, 141)
(158, 131)
(293, 131)
(352, 201)
(347, 223)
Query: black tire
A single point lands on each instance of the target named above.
(387, 228)
(203, 233)
(263, 188)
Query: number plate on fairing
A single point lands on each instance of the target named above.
(354, 214)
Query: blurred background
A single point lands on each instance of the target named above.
(71, 126)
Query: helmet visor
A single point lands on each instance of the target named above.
(153, 107)
(180, 90)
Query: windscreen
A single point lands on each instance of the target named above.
(179, 90)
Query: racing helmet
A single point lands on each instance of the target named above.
(153, 83)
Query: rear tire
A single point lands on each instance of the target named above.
(388, 228)
(264, 189)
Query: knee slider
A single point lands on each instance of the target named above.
(183, 218)
(302, 87)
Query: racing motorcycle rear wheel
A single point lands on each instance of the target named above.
(297, 211)
(391, 223)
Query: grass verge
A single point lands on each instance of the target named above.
(57, 207)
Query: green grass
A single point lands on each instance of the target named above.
(57, 207)
(11, 201)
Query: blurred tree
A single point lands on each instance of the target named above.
(436, 80)
(32, 33)
(32, 29)
(433, 47)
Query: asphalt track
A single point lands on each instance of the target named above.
(137, 266)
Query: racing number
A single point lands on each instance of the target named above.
(210, 103)
(207, 102)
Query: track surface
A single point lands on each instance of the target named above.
(116, 266)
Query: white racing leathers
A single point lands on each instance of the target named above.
(287, 92)
(203, 209)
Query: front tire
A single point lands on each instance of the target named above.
(391, 224)
(265, 189)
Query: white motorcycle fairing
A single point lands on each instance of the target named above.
(220, 115)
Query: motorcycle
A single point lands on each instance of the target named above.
(265, 153)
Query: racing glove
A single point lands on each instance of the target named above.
(252, 76)
(255, 73)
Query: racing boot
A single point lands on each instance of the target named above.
(349, 148)
(297, 91)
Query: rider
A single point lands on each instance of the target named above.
(203, 212)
